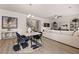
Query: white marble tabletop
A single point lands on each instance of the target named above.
(32, 33)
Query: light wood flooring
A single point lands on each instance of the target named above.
(49, 47)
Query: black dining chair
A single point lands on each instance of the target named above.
(19, 38)
(40, 35)
(36, 38)
(16, 47)
(22, 40)
(26, 38)
(24, 45)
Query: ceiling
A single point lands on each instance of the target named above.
(43, 10)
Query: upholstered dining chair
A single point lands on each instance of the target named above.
(21, 41)
(36, 38)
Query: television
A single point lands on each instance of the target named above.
(46, 24)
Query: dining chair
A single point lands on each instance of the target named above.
(36, 38)
(16, 47)
(22, 40)
(40, 35)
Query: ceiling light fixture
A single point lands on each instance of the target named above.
(30, 15)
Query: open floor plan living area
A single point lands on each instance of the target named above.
(39, 28)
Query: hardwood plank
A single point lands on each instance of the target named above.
(49, 46)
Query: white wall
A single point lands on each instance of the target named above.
(68, 19)
(21, 20)
(41, 23)
(65, 20)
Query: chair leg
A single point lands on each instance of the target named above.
(41, 39)
(30, 41)
(36, 42)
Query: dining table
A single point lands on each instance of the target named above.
(32, 33)
(30, 36)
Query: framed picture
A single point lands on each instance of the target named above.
(9, 22)
(46, 24)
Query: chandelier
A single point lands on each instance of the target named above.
(30, 15)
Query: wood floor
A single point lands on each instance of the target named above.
(49, 47)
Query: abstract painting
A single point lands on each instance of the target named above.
(9, 22)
